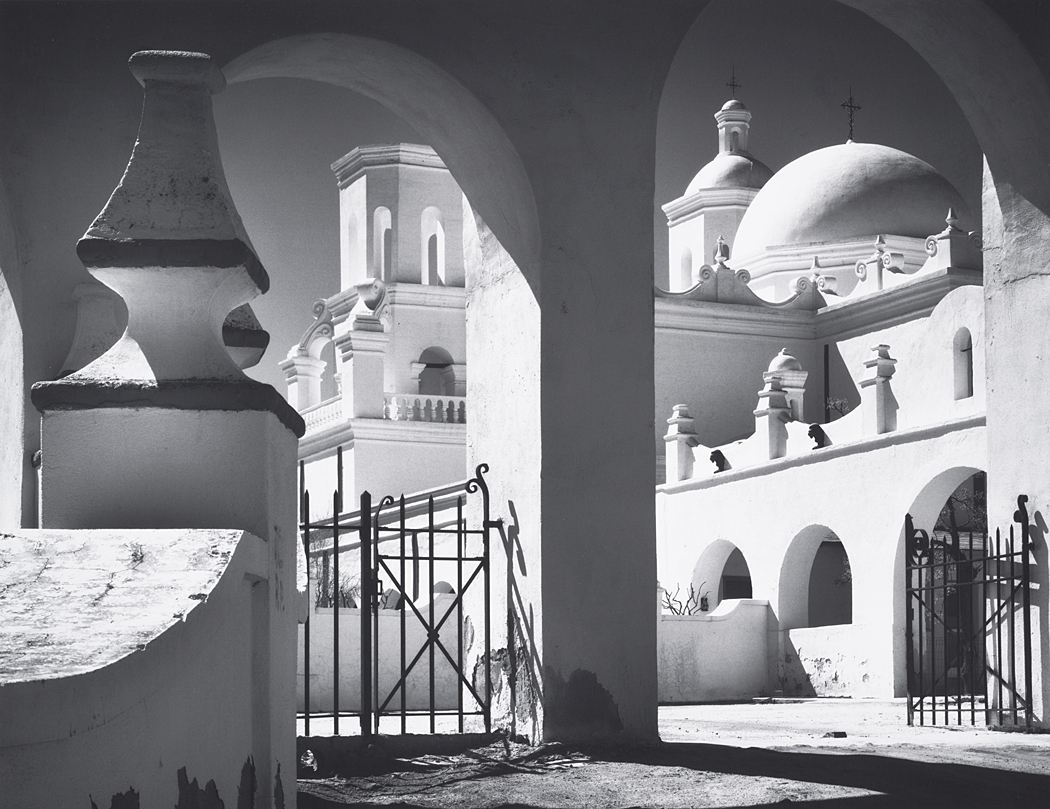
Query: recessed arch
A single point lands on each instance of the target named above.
(432, 246)
(382, 244)
(962, 364)
(718, 559)
(461, 129)
(813, 553)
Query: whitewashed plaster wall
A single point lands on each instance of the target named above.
(422, 317)
(718, 371)
(382, 457)
(778, 513)
(167, 694)
(508, 393)
(721, 655)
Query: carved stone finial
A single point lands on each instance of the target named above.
(170, 239)
(721, 252)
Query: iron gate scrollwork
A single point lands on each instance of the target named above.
(966, 655)
(413, 650)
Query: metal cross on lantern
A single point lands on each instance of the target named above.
(732, 83)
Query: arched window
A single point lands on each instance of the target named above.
(734, 140)
(437, 377)
(432, 247)
(685, 270)
(382, 244)
(963, 356)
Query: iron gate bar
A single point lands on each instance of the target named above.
(304, 498)
(403, 616)
(1021, 517)
(366, 625)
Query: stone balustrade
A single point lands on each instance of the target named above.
(323, 414)
(434, 409)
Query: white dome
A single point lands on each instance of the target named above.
(845, 192)
(730, 170)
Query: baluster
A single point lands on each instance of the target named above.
(386, 408)
(462, 412)
(439, 412)
(428, 411)
(402, 409)
(417, 411)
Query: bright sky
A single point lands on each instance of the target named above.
(795, 60)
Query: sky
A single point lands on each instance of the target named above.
(796, 62)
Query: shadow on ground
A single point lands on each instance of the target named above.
(499, 772)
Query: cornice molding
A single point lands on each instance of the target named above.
(349, 166)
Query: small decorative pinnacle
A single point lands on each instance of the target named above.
(721, 252)
(851, 108)
(951, 219)
(732, 84)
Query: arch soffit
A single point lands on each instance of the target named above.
(469, 139)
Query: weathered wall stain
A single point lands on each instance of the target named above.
(278, 789)
(191, 796)
(246, 789)
(579, 707)
(122, 800)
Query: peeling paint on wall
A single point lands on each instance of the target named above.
(249, 784)
(278, 789)
(191, 796)
(122, 800)
(579, 707)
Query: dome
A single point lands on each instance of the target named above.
(732, 170)
(784, 362)
(733, 104)
(845, 192)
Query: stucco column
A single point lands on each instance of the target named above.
(680, 438)
(303, 375)
(877, 400)
(362, 355)
(772, 415)
(164, 430)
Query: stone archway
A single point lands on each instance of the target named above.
(469, 139)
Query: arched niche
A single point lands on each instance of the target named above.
(432, 246)
(382, 244)
(471, 142)
(814, 567)
(962, 364)
(721, 559)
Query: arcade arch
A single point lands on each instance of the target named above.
(720, 573)
(815, 587)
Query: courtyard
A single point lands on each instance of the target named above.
(816, 752)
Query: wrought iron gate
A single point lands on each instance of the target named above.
(967, 657)
(413, 650)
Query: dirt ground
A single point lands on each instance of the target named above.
(857, 754)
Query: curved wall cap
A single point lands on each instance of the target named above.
(849, 191)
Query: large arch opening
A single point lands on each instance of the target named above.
(721, 573)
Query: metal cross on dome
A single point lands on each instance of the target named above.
(851, 108)
(732, 84)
